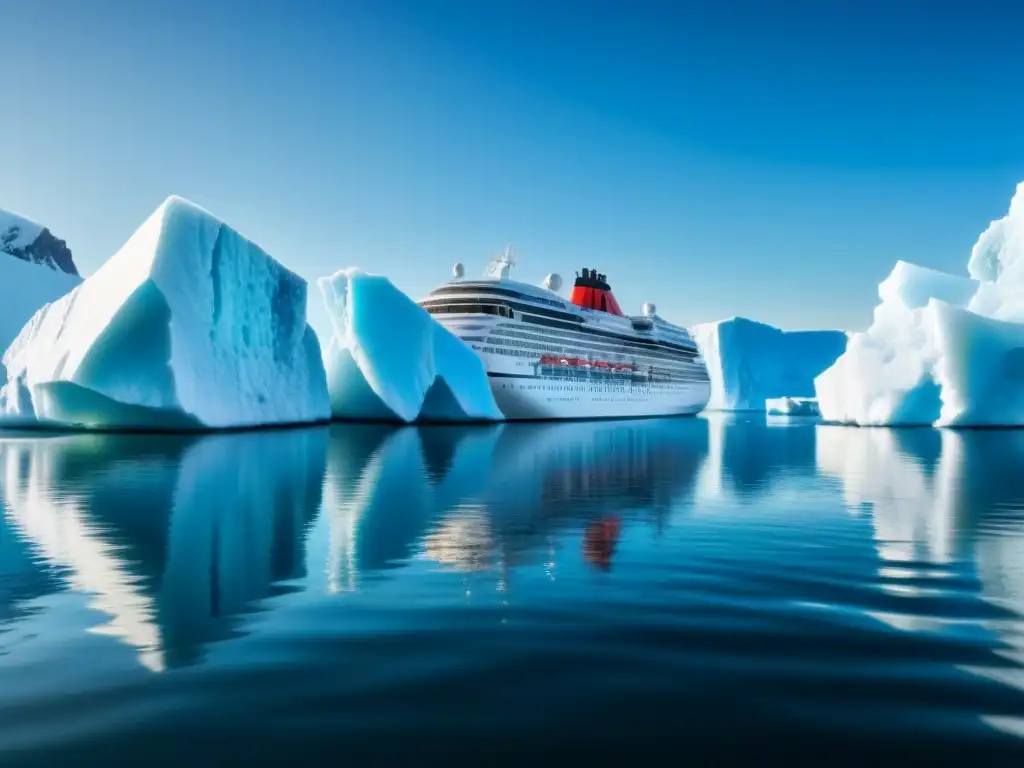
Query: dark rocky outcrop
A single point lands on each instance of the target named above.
(45, 249)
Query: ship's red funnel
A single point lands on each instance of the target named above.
(592, 291)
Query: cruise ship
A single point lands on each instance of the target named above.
(548, 357)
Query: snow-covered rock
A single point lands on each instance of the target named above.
(25, 288)
(389, 359)
(188, 326)
(34, 243)
(750, 362)
(942, 349)
(35, 269)
(792, 406)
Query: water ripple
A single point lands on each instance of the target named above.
(729, 589)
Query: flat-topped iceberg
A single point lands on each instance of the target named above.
(750, 363)
(188, 326)
(942, 349)
(389, 359)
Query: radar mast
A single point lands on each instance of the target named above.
(500, 266)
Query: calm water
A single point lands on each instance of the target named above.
(680, 589)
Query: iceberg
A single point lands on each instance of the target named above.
(750, 363)
(997, 262)
(888, 374)
(188, 326)
(942, 350)
(388, 359)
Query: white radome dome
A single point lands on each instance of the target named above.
(458, 270)
(649, 309)
(553, 282)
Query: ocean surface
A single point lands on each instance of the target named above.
(677, 591)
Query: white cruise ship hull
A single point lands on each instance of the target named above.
(523, 390)
(529, 399)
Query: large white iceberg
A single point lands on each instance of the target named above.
(188, 326)
(942, 349)
(888, 375)
(389, 359)
(997, 261)
(750, 363)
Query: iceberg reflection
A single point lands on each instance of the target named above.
(907, 478)
(401, 570)
(173, 537)
(751, 454)
(385, 485)
(947, 513)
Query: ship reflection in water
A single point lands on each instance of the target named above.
(487, 499)
(794, 583)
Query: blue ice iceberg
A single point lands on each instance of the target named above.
(389, 359)
(750, 363)
(942, 349)
(188, 326)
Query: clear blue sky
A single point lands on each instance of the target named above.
(768, 159)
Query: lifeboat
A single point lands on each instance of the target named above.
(601, 365)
